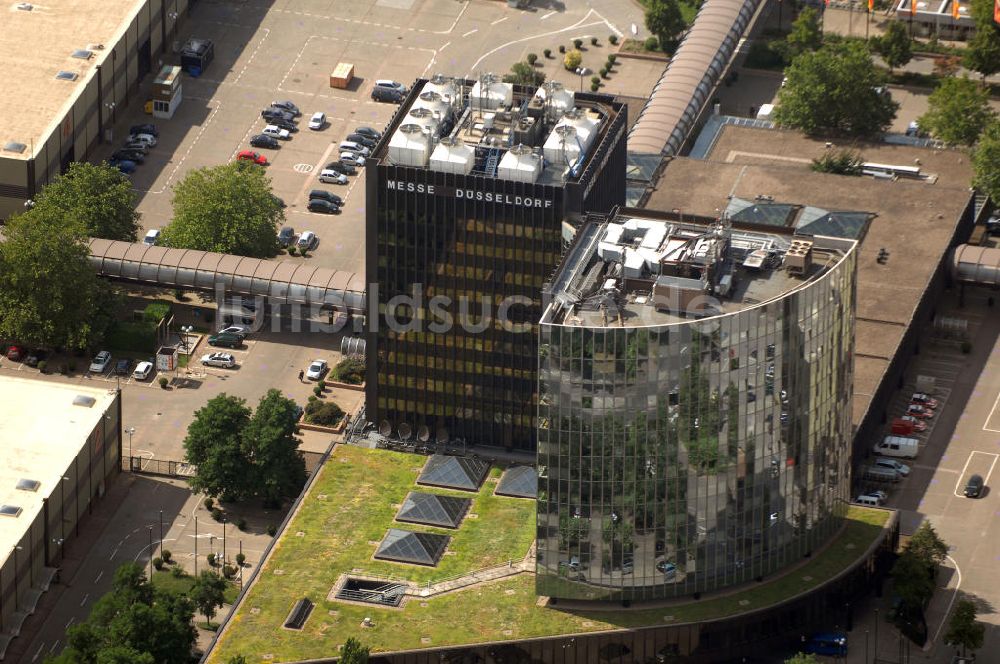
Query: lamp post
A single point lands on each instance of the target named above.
(130, 431)
(196, 546)
(185, 330)
(582, 71)
(149, 529)
(161, 530)
(223, 541)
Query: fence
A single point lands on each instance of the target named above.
(164, 467)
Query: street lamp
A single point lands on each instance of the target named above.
(130, 431)
(582, 71)
(185, 330)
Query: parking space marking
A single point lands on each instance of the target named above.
(986, 424)
(470, 32)
(944, 617)
(372, 24)
(966, 467)
(180, 162)
(499, 20)
(253, 55)
(551, 13)
(318, 168)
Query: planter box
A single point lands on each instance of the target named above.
(346, 386)
(318, 427)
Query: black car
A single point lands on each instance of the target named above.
(281, 123)
(135, 146)
(369, 132)
(323, 195)
(341, 167)
(144, 129)
(35, 356)
(272, 114)
(122, 367)
(263, 141)
(286, 236)
(320, 205)
(361, 139)
(128, 155)
(287, 106)
(974, 487)
(387, 95)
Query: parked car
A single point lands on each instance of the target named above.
(148, 139)
(228, 340)
(284, 124)
(868, 500)
(330, 176)
(135, 146)
(125, 166)
(352, 158)
(830, 643)
(147, 128)
(323, 194)
(892, 464)
(250, 155)
(143, 370)
(15, 353)
(35, 356)
(917, 410)
(357, 148)
(386, 84)
(361, 140)
(924, 400)
(286, 236)
(224, 360)
(277, 132)
(974, 487)
(668, 569)
(316, 369)
(317, 121)
(236, 328)
(128, 155)
(308, 240)
(122, 366)
(270, 114)
(373, 134)
(100, 362)
(287, 106)
(918, 424)
(386, 95)
(340, 167)
(152, 237)
(320, 205)
(265, 141)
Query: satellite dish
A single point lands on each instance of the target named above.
(423, 434)
(405, 431)
(385, 428)
(442, 435)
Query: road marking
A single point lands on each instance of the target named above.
(547, 15)
(947, 613)
(933, 468)
(187, 152)
(611, 25)
(54, 646)
(470, 32)
(70, 621)
(966, 467)
(82, 602)
(98, 579)
(575, 26)
(318, 167)
(253, 55)
(500, 20)
(303, 168)
(38, 652)
(113, 553)
(990, 416)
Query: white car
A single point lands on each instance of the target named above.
(147, 139)
(100, 362)
(307, 240)
(236, 329)
(352, 158)
(224, 360)
(142, 370)
(316, 370)
(277, 132)
(317, 121)
(330, 176)
(152, 237)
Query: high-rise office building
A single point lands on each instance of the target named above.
(468, 193)
(695, 383)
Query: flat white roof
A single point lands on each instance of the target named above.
(41, 432)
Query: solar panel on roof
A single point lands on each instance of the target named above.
(518, 481)
(433, 510)
(406, 546)
(454, 472)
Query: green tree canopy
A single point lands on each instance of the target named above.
(982, 53)
(50, 296)
(134, 623)
(238, 659)
(986, 161)
(957, 111)
(95, 198)
(229, 209)
(664, 19)
(912, 580)
(927, 545)
(835, 90)
(269, 443)
(523, 73)
(805, 35)
(963, 628)
(353, 652)
(209, 593)
(894, 45)
(214, 444)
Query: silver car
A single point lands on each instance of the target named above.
(224, 360)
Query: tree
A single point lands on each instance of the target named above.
(836, 90)
(664, 19)
(963, 629)
(572, 60)
(209, 593)
(269, 443)
(839, 162)
(806, 35)
(353, 652)
(912, 581)
(982, 53)
(927, 545)
(229, 209)
(957, 111)
(214, 444)
(50, 295)
(802, 658)
(986, 161)
(238, 659)
(523, 73)
(134, 623)
(96, 198)
(894, 45)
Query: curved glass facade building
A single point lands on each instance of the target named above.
(694, 406)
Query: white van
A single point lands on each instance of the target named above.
(351, 146)
(868, 500)
(898, 446)
(152, 237)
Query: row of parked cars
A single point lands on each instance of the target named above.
(141, 138)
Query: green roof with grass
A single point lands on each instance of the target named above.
(352, 504)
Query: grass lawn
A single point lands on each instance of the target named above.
(360, 487)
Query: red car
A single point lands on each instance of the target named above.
(924, 400)
(919, 411)
(250, 155)
(917, 424)
(15, 353)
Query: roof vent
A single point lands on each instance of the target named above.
(83, 54)
(83, 400)
(25, 6)
(95, 47)
(28, 485)
(12, 511)
(14, 146)
(67, 75)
